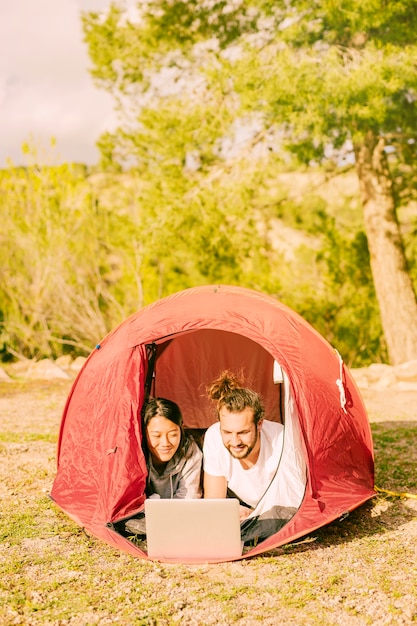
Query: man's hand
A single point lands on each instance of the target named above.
(244, 512)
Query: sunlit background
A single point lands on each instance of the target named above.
(45, 87)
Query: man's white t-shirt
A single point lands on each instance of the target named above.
(248, 484)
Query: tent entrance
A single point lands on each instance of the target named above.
(182, 366)
(185, 364)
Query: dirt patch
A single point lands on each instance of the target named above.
(356, 572)
(389, 404)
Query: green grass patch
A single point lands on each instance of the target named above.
(13, 437)
(395, 457)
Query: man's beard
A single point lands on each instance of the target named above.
(245, 449)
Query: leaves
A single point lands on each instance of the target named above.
(216, 100)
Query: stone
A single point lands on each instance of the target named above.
(64, 361)
(406, 371)
(46, 370)
(78, 363)
(4, 377)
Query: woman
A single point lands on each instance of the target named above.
(173, 458)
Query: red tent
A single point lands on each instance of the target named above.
(180, 344)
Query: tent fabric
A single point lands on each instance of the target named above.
(195, 334)
(289, 483)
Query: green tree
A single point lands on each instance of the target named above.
(79, 253)
(326, 81)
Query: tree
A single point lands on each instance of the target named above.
(329, 82)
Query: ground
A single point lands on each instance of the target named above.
(389, 404)
(356, 572)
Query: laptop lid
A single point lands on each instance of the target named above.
(193, 529)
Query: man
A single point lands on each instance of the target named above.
(242, 450)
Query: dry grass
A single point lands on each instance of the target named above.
(359, 571)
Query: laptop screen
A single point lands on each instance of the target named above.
(200, 529)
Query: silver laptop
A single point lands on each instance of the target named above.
(193, 529)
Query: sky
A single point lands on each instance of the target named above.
(46, 90)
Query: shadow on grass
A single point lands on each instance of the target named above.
(395, 470)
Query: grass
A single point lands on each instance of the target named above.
(359, 571)
(14, 437)
(396, 456)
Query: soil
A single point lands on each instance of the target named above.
(30, 415)
(388, 405)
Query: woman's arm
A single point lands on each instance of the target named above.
(189, 485)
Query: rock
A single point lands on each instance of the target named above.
(387, 379)
(64, 361)
(360, 377)
(406, 386)
(78, 363)
(20, 368)
(378, 376)
(4, 377)
(377, 370)
(45, 370)
(407, 371)
(381, 376)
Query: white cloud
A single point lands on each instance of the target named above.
(45, 88)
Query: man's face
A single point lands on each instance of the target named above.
(239, 433)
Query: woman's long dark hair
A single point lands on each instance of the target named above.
(162, 407)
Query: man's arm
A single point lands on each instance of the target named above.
(214, 486)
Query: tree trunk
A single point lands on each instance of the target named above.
(393, 286)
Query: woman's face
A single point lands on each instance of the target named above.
(163, 437)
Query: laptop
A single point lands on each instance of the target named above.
(193, 529)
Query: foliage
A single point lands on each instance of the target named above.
(260, 87)
(55, 292)
(220, 102)
(343, 307)
(81, 253)
(323, 72)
